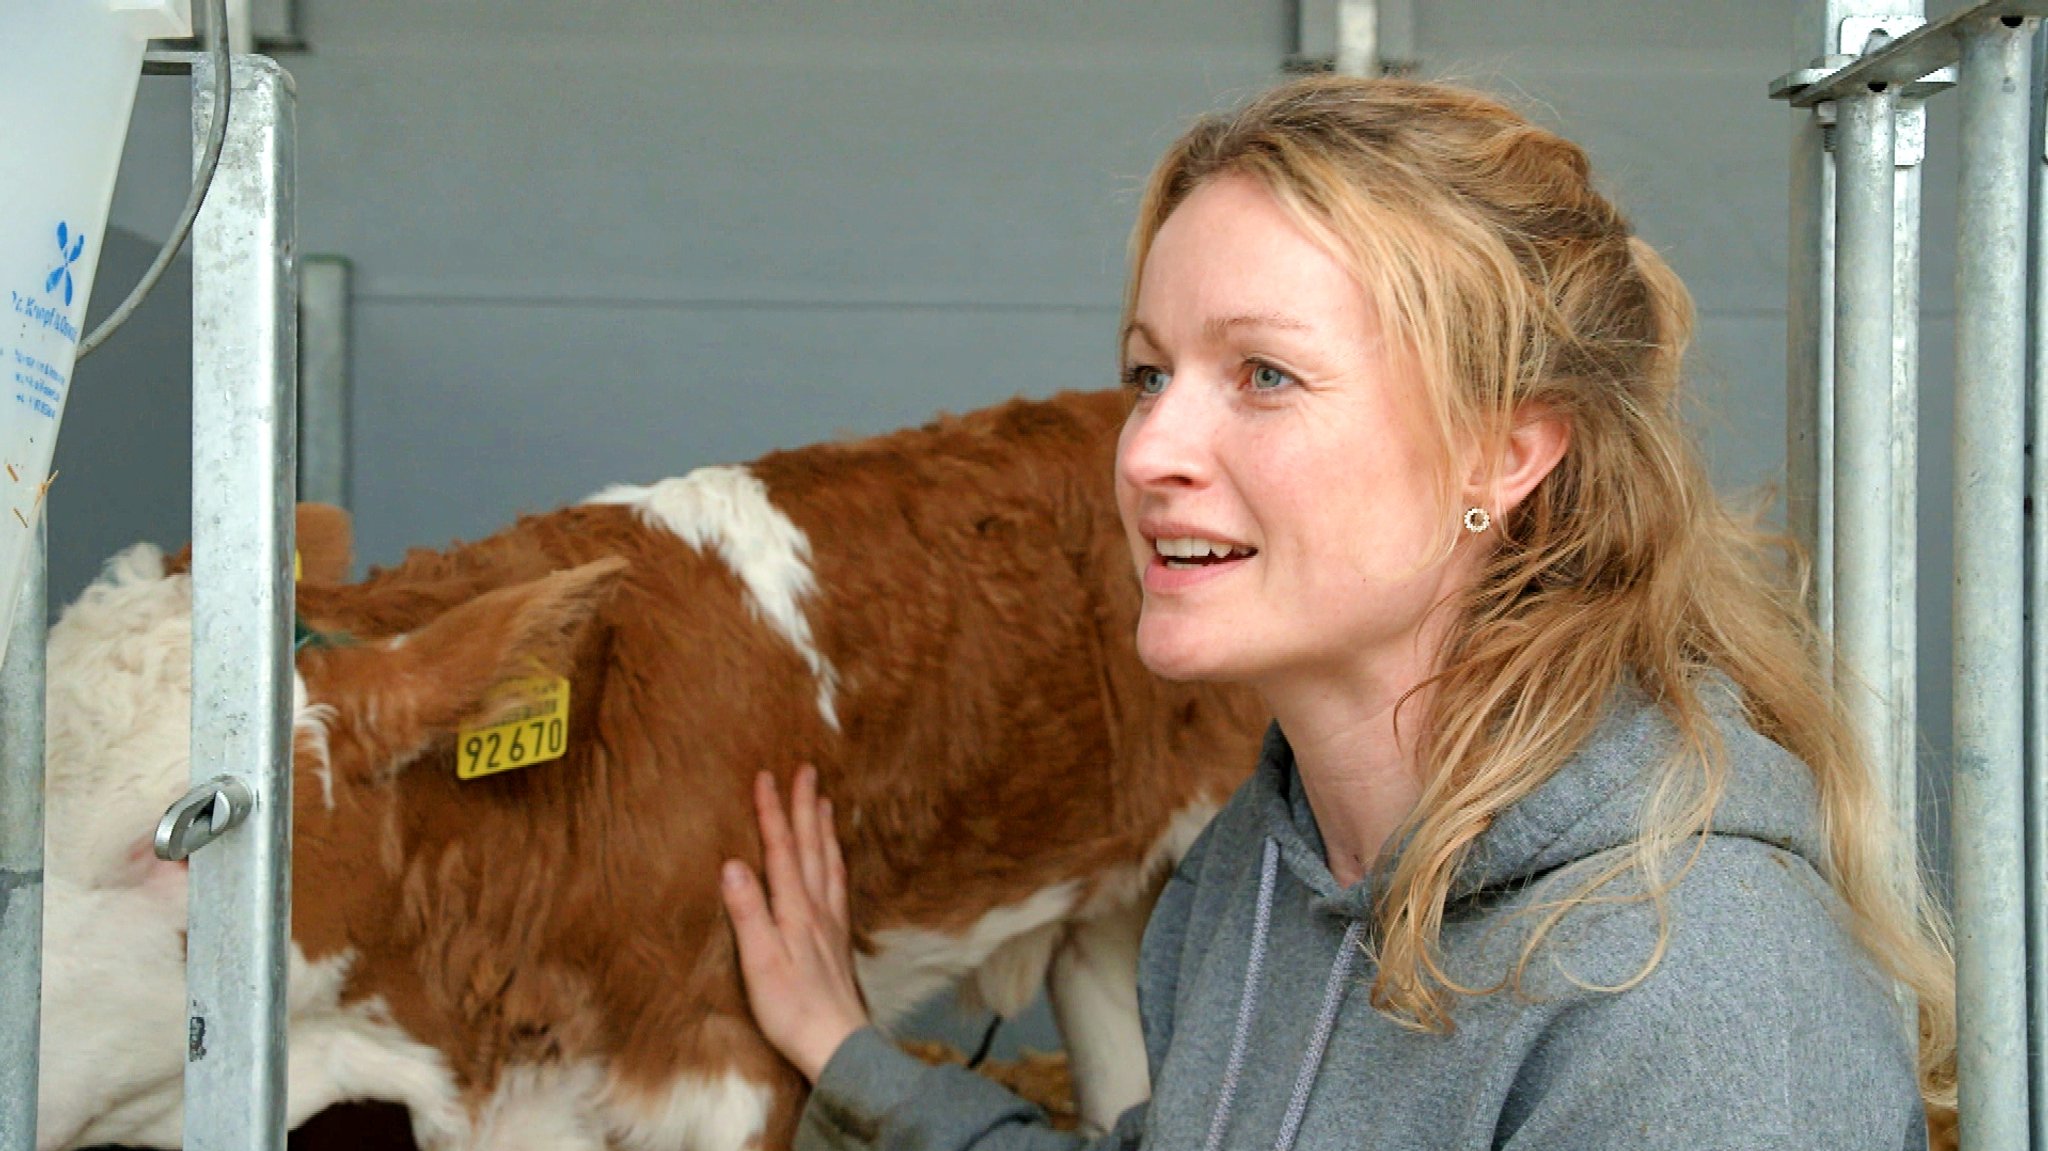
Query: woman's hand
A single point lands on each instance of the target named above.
(796, 950)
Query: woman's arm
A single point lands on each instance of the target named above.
(796, 955)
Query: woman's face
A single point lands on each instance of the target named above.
(1277, 476)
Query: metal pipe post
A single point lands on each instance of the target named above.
(1338, 35)
(1358, 37)
(1910, 149)
(1822, 35)
(1809, 368)
(1864, 357)
(21, 854)
(2037, 608)
(1905, 470)
(1990, 866)
(244, 378)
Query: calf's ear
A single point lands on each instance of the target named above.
(326, 541)
(393, 699)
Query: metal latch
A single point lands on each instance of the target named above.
(205, 814)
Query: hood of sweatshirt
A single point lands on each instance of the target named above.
(1593, 803)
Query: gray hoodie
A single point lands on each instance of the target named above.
(1762, 1026)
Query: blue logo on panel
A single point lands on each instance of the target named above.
(68, 250)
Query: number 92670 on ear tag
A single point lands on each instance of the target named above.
(535, 728)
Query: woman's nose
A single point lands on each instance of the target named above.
(1166, 441)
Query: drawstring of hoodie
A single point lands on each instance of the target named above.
(1319, 1043)
(1248, 1005)
(1248, 1002)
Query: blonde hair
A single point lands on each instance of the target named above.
(1495, 263)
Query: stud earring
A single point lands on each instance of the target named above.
(1477, 520)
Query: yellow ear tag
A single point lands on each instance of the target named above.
(298, 568)
(535, 728)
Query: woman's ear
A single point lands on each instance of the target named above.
(1535, 443)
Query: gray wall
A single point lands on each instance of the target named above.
(124, 455)
(597, 243)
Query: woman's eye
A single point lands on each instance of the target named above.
(1147, 380)
(1267, 378)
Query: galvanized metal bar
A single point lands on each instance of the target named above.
(1809, 364)
(1358, 37)
(324, 387)
(2037, 605)
(1864, 358)
(1921, 53)
(1336, 35)
(1988, 783)
(1824, 32)
(1909, 149)
(21, 853)
(244, 361)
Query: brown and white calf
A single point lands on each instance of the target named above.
(940, 619)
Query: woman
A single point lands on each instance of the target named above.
(1559, 839)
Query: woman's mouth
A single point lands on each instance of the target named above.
(1183, 553)
(1182, 562)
